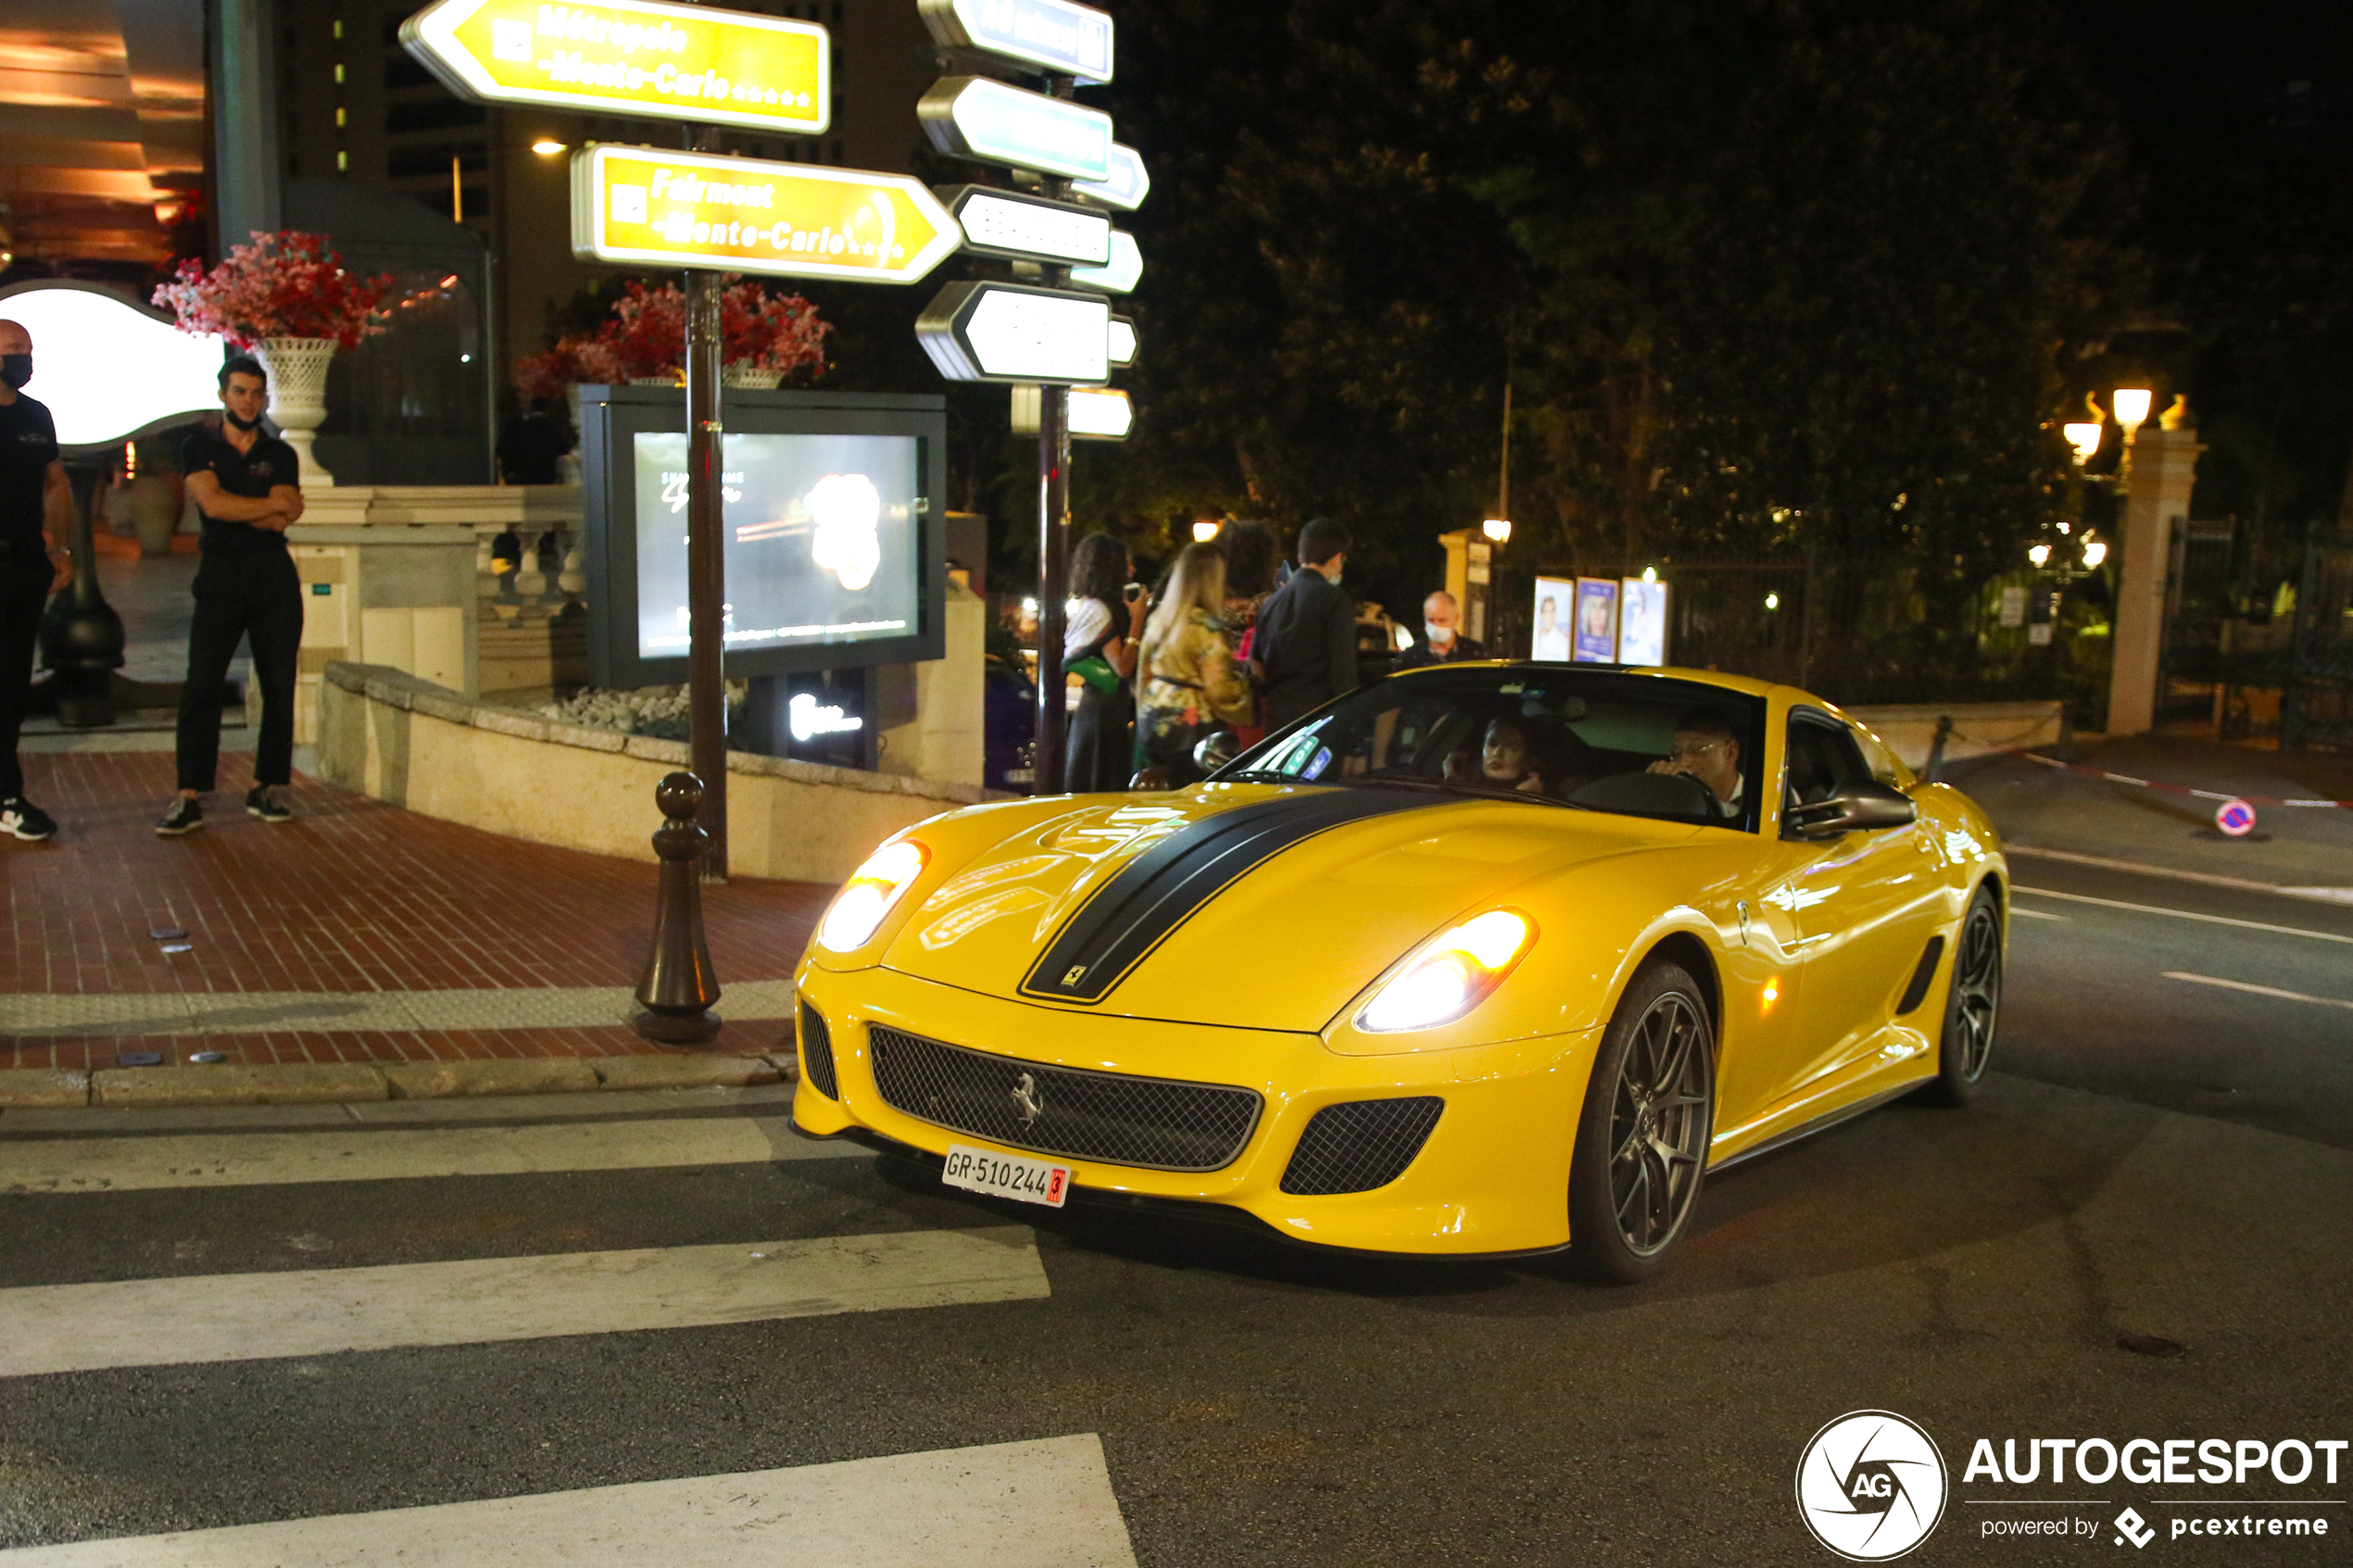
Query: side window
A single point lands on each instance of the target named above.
(1823, 760)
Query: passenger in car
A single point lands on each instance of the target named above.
(1505, 761)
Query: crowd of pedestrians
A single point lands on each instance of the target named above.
(1232, 638)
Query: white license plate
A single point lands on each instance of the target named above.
(1006, 1175)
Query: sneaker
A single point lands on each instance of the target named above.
(260, 802)
(22, 818)
(185, 816)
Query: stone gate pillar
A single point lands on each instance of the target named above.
(2157, 504)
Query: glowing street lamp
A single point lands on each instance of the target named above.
(2095, 552)
(1204, 529)
(2039, 554)
(2131, 405)
(1498, 529)
(2084, 436)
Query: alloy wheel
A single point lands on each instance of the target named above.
(1977, 992)
(1659, 1123)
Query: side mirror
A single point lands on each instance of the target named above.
(1215, 749)
(1862, 807)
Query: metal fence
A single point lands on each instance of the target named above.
(1871, 632)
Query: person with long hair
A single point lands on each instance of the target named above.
(1192, 683)
(1252, 549)
(1099, 653)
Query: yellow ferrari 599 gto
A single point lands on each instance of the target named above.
(1481, 960)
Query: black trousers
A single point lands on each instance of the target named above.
(254, 595)
(25, 593)
(1096, 755)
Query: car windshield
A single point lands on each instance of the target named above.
(1642, 745)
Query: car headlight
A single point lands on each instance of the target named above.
(858, 910)
(1451, 974)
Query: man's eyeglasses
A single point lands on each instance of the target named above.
(1692, 752)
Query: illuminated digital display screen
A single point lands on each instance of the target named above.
(821, 538)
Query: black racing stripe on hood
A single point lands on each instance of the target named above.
(1159, 890)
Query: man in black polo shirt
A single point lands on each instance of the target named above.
(246, 485)
(34, 506)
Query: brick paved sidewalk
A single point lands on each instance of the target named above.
(353, 897)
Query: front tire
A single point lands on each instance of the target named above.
(1642, 1140)
(1972, 1006)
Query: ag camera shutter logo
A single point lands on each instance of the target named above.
(1871, 1485)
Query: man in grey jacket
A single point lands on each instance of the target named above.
(1306, 641)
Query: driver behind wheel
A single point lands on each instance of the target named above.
(1706, 749)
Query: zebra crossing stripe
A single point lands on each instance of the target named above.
(125, 1164)
(61, 1328)
(1042, 1504)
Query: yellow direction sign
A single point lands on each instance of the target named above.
(748, 215)
(630, 56)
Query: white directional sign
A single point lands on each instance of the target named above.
(976, 117)
(1010, 223)
(1121, 274)
(1012, 333)
(1125, 185)
(1053, 35)
(1122, 347)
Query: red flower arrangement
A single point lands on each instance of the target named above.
(284, 284)
(647, 338)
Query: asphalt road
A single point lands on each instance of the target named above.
(2072, 1258)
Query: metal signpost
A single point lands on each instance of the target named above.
(703, 212)
(1036, 334)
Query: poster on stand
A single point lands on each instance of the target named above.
(1555, 604)
(1642, 621)
(1593, 638)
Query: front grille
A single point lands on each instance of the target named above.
(1154, 1123)
(817, 1052)
(1359, 1146)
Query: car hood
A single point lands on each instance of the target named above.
(1249, 905)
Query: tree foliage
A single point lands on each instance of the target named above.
(1765, 275)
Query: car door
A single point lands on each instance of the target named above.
(1865, 904)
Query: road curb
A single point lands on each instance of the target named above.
(28, 1089)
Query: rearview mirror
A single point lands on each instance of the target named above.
(1856, 807)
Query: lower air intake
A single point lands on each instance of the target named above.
(1361, 1145)
(817, 1052)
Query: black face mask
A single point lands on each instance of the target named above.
(16, 369)
(241, 424)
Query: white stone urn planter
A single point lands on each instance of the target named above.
(749, 378)
(297, 368)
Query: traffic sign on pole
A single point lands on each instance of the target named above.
(641, 204)
(1011, 223)
(1125, 185)
(1121, 272)
(1012, 333)
(630, 56)
(982, 118)
(1122, 348)
(1053, 35)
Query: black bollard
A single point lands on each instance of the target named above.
(1936, 748)
(81, 637)
(678, 989)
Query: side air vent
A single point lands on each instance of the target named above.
(1360, 1144)
(817, 1052)
(1922, 977)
